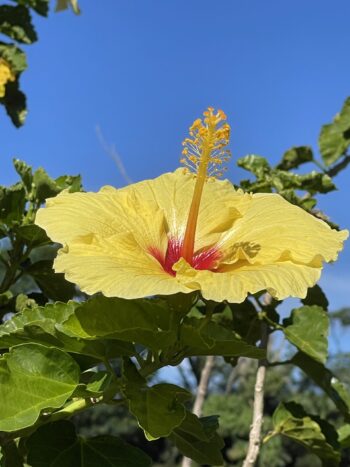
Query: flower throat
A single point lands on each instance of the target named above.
(204, 154)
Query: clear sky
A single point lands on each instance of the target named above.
(144, 70)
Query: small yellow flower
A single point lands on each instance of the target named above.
(183, 232)
(5, 76)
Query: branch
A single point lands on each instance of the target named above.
(258, 408)
(200, 396)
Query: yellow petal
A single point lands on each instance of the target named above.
(172, 193)
(104, 214)
(272, 229)
(281, 280)
(117, 267)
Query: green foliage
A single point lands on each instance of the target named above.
(158, 409)
(292, 421)
(17, 24)
(33, 378)
(45, 448)
(307, 329)
(335, 137)
(197, 438)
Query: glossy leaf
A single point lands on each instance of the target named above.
(47, 447)
(307, 329)
(335, 137)
(39, 324)
(213, 339)
(32, 378)
(159, 409)
(320, 437)
(197, 439)
(146, 321)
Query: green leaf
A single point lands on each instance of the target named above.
(326, 380)
(320, 437)
(14, 56)
(15, 103)
(47, 447)
(307, 329)
(197, 438)
(11, 455)
(40, 6)
(16, 22)
(25, 172)
(245, 321)
(12, 203)
(32, 235)
(39, 324)
(97, 384)
(72, 183)
(46, 187)
(258, 165)
(344, 436)
(158, 409)
(335, 137)
(32, 378)
(52, 284)
(295, 156)
(316, 296)
(213, 339)
(65, 4)
(146, 321)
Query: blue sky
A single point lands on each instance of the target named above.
(144, 70)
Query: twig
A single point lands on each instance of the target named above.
(111, 151)
(258, 408)
(200, 396)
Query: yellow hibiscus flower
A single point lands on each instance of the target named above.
(185, 232)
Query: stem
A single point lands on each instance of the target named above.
(200, 396)
(258, 408)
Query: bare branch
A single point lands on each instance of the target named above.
(258, 407)
(200, 396)
(112, 152)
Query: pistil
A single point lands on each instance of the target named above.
(204, 152)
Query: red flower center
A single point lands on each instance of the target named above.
(204, 259)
